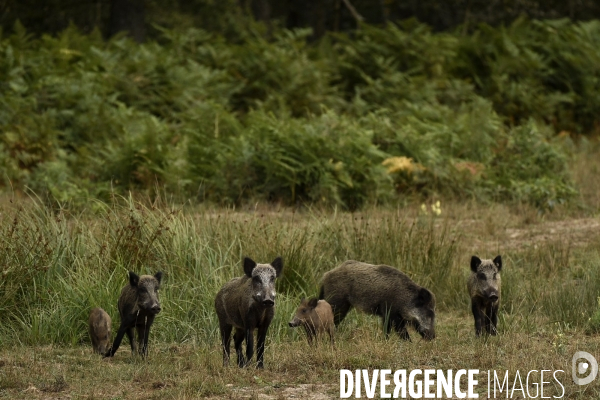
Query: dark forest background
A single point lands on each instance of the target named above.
(139, 16)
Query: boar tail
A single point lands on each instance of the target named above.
(322, 293)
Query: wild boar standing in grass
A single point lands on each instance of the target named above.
(484, 289)
(138, 305)
(99, 324)
(316, 317)
(248, 303)
(380, 290)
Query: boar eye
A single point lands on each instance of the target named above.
(481, 276)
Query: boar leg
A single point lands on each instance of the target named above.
(249, 345)
(487, 315)
(340, 308)
(130, 336)
(493, 320)
(225, 341)
(331, 334)
(238, 339)
(309, 334)
(115, 346)
(477, 315)
(147, 334)
(400, 328)
(386, 316)
(95, 343)
(392, 319)
(143, 332)
(260, 345)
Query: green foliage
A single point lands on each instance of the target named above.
(282, 120)
(545, 70)
(325, 159)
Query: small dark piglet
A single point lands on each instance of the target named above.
(484, 289)
(316, 316)
(138, 305)
(99, 325)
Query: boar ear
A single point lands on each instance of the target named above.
(133, 278)
(303, 299)
(158, 276)
(498, 262)
(278, 265)
(249, 265)
(312, 303)
(475, 262)
(423, 297)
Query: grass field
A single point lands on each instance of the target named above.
(58, 264)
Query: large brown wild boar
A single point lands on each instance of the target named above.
(138, 305)
(248, 303)
(484, 286)
(99, 325)
(380, 290)
(316, 317)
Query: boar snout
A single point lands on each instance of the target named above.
(102, 349)
(268, 303)
(428, 335)
(492, 295)
(294, 323)
(155, 309)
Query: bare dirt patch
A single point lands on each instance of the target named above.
(301, 391)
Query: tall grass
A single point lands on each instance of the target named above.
(57, 266)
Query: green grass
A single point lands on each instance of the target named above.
(56, 266)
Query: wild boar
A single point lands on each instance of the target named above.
(380, 290)
(99, 325)
(138, 305)
(484, 286)
(248, 303)
(316, 317)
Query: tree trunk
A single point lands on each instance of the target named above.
(128, 16)
(261, 10)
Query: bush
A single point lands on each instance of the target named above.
(284, 121)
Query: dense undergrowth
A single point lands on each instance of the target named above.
(351, 120)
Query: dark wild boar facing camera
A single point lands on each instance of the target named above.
(138, 305)
(248, 303)
(484, 286)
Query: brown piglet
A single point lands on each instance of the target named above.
(99, 325)
(316, 316)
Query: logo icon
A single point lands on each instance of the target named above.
(580, 367)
